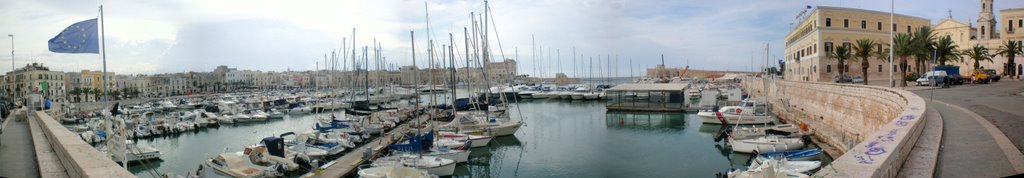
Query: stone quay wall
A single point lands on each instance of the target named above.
(873, 128)
(77, 157)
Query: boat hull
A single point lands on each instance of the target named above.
(710, 118)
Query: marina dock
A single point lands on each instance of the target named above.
(350, 162)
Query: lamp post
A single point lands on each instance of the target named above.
(892, 41)
(12, 51)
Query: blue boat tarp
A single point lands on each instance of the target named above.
(418, 143)
(793, 154)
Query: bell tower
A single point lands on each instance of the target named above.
(986, 21)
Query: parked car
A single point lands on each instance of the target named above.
(843, 79)
(932, 78)
(991, 74)
(857, 79)
(955, 79)
(979, 77)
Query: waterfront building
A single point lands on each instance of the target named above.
(29, 79)
(986, 33)
(94, 80)
(825, 28)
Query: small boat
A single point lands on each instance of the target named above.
(795, 155)
(236, 165)
(591, 96)
(395, 171)
(768, 169)
(476, 140)
(766, 144)
(433, 165)
(785, 165)
(754, 132)
(748, 112)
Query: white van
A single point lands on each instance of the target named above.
(932, 76)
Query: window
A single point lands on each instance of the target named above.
(815, 48)
(828, 47)
(879, 68)
(846, 68)
(982, 30)
(879, 26)
(828, 22)
(1020, 22)
(894, 27)
(1010, 26)
(908, 28)
(828, 68)
(846, 45)
(863, 24)
(846, 23)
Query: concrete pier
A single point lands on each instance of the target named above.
(349, 163)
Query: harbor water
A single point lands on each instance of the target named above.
(561, 138)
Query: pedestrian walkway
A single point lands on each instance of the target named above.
(17, 153)
(968, 149)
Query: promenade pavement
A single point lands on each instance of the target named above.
(17, 153)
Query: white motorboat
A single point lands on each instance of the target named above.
(275, 114)
(754, 132)
(395, 171)
(577, 96)
(433, 165)
(138, 152)
(769, 143)
(769, 169)
(748, 112)
(259, 155)
(591, 96)
(786, 165)
(527, 94)
(460, 156)
(565, 95)
(235, 165)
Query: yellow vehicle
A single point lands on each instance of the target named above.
(979, 77)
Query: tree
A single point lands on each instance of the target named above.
(923, 43)
(863, 49)
(946, 51)
(1010, 50)
(978, 53)
(841, 54)
(903, 47)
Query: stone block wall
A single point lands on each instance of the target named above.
(874, 128)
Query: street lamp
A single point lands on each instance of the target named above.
(12, 51)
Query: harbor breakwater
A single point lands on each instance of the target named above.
(872, 128)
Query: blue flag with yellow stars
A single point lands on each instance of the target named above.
(81, 37)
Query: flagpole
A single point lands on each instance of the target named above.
(103, 47)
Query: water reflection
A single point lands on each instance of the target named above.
(645, 120)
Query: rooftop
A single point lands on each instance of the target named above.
(650, 87)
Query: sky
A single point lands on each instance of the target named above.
(164, 36)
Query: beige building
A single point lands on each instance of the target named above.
(825, 28)
(29, 79)
(986, 33)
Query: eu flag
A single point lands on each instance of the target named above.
(80, 37)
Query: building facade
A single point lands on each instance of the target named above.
(826, 28)
(31, 78)
(987, 33)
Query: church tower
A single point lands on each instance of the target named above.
(986, 21)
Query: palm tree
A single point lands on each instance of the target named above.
(923, 42)
(903, 47)
(1010, 49)
(842, 53)
(863, 50)
(978, 53)
(946, 50)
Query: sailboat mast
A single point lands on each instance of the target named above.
(451, 59)
(415, 70)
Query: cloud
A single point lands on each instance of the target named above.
(246, 44)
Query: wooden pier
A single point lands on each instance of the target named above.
(350, 162)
